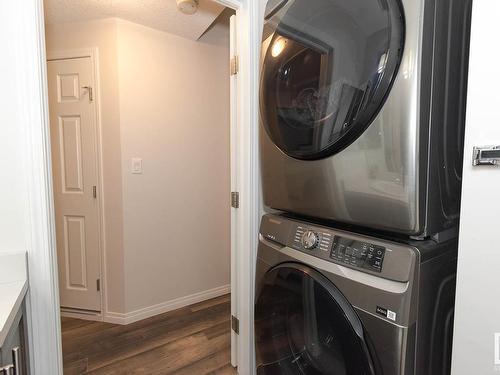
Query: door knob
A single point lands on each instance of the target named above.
(486, 155)
(89, 89)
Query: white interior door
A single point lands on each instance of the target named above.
(234, 185)
(74, 165)
(476, 337)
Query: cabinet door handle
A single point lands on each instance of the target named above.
(7, 370)
(15, 367)
(16, 359)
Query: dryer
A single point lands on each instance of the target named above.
(335, 302)
(362, 107)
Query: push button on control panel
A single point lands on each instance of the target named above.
(358, 254)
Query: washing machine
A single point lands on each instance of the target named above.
(362, 108)
(337, 303)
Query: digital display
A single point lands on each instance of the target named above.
(357, 253)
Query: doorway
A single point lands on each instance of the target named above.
(167, 164)
(24, 23)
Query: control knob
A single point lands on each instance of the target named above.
(310, 240)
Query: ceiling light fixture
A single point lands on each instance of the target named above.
(188, 6)
(278, 46)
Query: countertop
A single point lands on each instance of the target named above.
(13, 288)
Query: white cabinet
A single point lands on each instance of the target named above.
(13, 329)
(13, 353)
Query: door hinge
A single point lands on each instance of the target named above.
(94, 191)
(235, 324)
(98, 285)
(234, 65)
(235, 199)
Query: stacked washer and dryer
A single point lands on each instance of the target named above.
(362, 118)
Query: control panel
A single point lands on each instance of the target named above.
(339, 249)
(387, 259)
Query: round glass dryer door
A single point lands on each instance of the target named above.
(328, 67)
(305, 326)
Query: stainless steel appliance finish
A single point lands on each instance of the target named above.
(352, 304)
(367, 128)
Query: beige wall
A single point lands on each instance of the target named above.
(175, 116)
(164, 99)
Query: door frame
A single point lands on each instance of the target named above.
(93, 54)
(44, 327)
(233, 112)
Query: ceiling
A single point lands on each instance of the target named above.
(158, 14)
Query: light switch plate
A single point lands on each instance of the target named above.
(136, 165)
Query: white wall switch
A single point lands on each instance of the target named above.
(136, 165)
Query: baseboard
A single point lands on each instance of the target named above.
(93, 316)
(148, 312)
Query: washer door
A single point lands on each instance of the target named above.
(328, 67)
(304, 325)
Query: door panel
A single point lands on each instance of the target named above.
(71, 154)
(74, 252)
(74, 164)
(68, 88)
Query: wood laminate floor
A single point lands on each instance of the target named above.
(194, 340)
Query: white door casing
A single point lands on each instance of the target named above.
(234, 182)
(75, 180)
